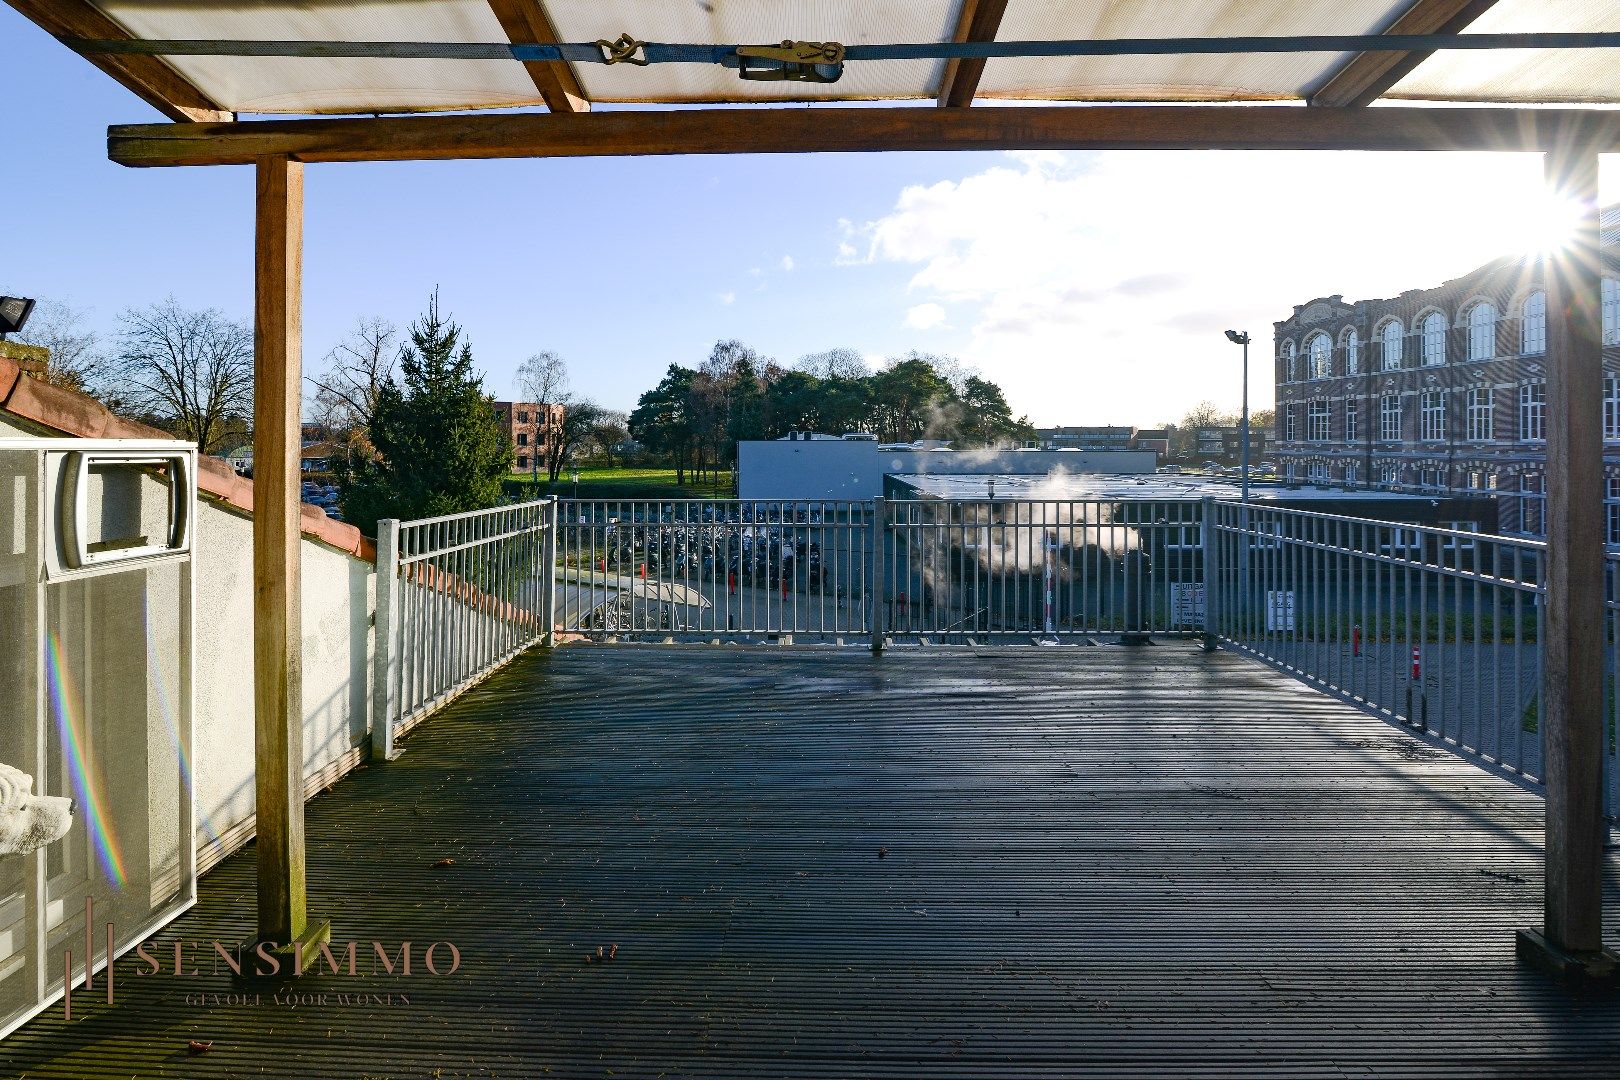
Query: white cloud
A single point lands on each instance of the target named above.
(1095, 287)
(925, 317)
(847, 255)
(787, 262)
(727, 297)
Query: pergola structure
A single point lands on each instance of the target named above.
(1129, 74)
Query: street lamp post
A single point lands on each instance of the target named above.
(1242, 338)
(576, 485)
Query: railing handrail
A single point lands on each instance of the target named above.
(468, 515)
(1429, 530)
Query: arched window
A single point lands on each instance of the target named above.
(1289, 374)
(1394, 337)
(1321, 353)
(1434, 339)
(1533, 325)
(1352, 352)
(1482, 331)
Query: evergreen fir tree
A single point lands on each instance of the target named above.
(438, 446)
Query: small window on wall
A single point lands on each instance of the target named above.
(1352, 421)
(522, 462)
(1318, 422)
(1287, 357)
(1389, 475)
(1389, 418)
(1352, 473)
(1531, 502)
(1432, 416)
(1352, 353)
(1611, 511)
(1611, 408)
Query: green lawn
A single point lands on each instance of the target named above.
(626, 483)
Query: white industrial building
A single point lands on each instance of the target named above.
(808, 466)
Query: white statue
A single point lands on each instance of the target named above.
(28, 822)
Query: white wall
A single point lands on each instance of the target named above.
(835, 469)
(338, 593)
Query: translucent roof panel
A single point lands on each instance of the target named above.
(1175, 78)
(1513, 75)
(868, 22)
(309, 85)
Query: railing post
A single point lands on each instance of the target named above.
(1211, 575)
(874, 577)
(548, 575)
(385, 646)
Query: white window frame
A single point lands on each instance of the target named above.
(1481, 413)
(1393, 337)
(1389, 418)
(1318, 421)
(1532, 504)
(1533, 411)
(1289, 357)
(1611, 409)
(1432, 416)
(1482, 331)
(1319, 350)
(1352, 420)
(1533, 324)
(1352, 352)
(1611, 311)
(1434, 339)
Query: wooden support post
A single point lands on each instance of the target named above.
(277, 636)
(1572, 691)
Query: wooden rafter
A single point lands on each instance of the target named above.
(526, 23)
(150, 77)
(979, 21)
(797, 131)
(1368, 76)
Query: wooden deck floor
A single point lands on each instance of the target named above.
(1090, 861)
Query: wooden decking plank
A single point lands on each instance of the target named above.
(1099, 862)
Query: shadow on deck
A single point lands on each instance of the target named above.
(1092, 860)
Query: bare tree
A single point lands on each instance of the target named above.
(610, 429)
(579, 422)
(543, 379)
(357, 369)
(834, 364)
(77, 361)
(188, 371)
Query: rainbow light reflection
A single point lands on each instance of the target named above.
(88, 785)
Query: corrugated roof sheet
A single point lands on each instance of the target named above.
(309, 85)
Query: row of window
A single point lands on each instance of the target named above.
(1478, 416)
(1479, 323)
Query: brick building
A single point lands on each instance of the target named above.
(530, 428)
(1439, 390)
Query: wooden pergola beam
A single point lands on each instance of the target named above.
(978, 21)
(1368, 76)
(149, 77)
(797, 131)
(526, 22)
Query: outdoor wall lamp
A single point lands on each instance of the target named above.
(14, 312)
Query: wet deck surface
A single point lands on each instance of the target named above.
(1089, 861)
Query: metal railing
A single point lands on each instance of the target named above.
(1435, 629)
(715, 568)
(878, 571)
(457, 596)
(1041, 571)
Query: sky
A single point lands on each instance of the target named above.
(1093, 287)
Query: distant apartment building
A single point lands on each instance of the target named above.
(1104, 437)
(1226, 443)
(530, 429)
(1439, 390)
